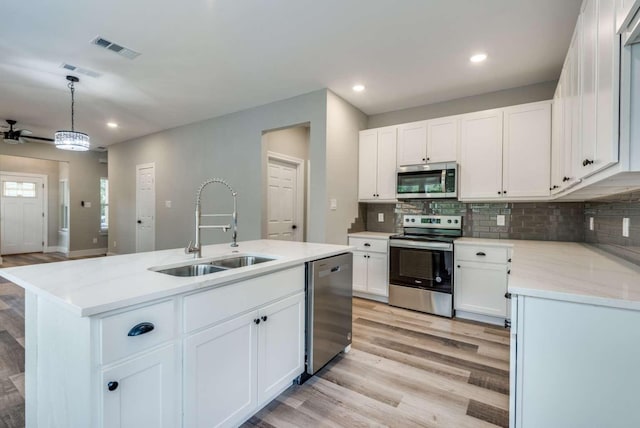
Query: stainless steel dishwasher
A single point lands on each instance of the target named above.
(329, 296)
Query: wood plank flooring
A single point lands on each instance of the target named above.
(405, 369)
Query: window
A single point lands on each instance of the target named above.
(104, 204)
(64, 204)
(19, 189)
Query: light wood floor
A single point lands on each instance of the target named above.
(405, 369)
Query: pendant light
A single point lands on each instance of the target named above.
(72, 140)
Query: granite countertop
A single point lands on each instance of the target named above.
(373, 235)
(92, 286)
(569, 271)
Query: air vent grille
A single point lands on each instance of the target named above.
(80, 70)
(116, 48)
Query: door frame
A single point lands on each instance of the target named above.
(138, 168)
(45, 203)
(302, 191)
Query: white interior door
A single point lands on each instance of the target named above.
(22, 214)
(285, 217)
(145, 207)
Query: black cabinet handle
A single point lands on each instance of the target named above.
(458, 265)
(509, 260)
(425, 159)
(139, 221)
(509, 272)
(264, 318)
(499, 193)
(142, 328)
(480, 253)
(294, 226)
(504, 192)
(428, 158)
(587, 162)
(366, 244)
(257, 321)
(507, 295)
(112, 386)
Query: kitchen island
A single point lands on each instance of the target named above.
(112, 342)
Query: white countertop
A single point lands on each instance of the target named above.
(92, 286)
(569, 271)
(373, 235)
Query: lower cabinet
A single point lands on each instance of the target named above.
(142, 392)
(232, 368)
(370, 267)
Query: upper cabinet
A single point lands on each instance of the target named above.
(428, 141)
(506, 153)
(377, 165)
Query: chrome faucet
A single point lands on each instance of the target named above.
(196, 249)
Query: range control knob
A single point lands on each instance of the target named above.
(413, 220)
(448, 221)
(455, 221)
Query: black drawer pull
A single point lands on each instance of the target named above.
(507, 295)
(257, 321)
(366, 244)
(264, 318)
(112, 386)
(480, 253)
(142, 328)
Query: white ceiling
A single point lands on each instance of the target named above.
(206, 58)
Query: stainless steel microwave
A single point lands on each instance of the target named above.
(436, 180)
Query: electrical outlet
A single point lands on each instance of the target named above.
(590, 223)
(380, 217)
(625, 227)
(87, 204)
(500, 220)
(333, 204)
(167, 204)
(115, 244)
(95, 240)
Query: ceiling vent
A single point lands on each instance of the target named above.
(80, 70)
(116, 48)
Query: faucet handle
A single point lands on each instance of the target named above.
(189, 249)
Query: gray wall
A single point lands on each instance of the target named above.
(508, 97)
(43, 167)
(228, 146)
(84, 183)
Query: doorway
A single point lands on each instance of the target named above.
(286, 168)
(145, 207)
(23, 213)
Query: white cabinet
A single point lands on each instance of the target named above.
(584, 356)
(142, 391)
(377, 164)
(233, 368)
(370, 267)
(428, 141)
(506, 153)
(480, 289)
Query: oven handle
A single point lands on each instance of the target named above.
(421, 245)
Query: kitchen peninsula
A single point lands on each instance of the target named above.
(112, 341)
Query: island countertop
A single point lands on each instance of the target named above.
(92, 286)
(569, 271)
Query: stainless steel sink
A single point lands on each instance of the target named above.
(240, 261)
(192, 270)
(199, 268)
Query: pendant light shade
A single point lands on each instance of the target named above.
(72, 140)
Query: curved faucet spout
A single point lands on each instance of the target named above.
(196, 249)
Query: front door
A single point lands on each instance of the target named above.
(22, 214)
(145, 208)
(284, 204)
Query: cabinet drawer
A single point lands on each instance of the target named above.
(367, 244)
(211, 306)
(114, 330)
(481, 253)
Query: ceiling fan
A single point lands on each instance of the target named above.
(17, 136)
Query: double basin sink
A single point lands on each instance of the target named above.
(204, 268)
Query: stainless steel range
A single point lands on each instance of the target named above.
(421, 264)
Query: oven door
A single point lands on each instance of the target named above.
(421, 267)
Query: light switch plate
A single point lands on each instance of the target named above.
(167, 204)
(625, 227)
(500, 220)
(381, 217)
(87, 204)
(590, 223)
(333, 204)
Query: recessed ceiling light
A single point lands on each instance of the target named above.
(358, 88)
(478, 57)
(112, 124)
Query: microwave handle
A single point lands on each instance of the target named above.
(443, 180)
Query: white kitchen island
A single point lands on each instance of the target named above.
(113, 343)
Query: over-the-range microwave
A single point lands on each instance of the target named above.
(436, 180)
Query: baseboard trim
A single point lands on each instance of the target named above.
(64, 250)
(487, 319)
(89, 252)
(381, 299)
(110, 253)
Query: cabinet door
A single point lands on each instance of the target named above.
(360, 271)
(442, 139)
(588, 87)
(527, 150)
(367, 164)
(386, 184)
(412, 143)
(557, 134)
(377, 274)
(220, 376)
(481, 155)
(480, 288)
(573, 162)
(281, 346)
(145, 393)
